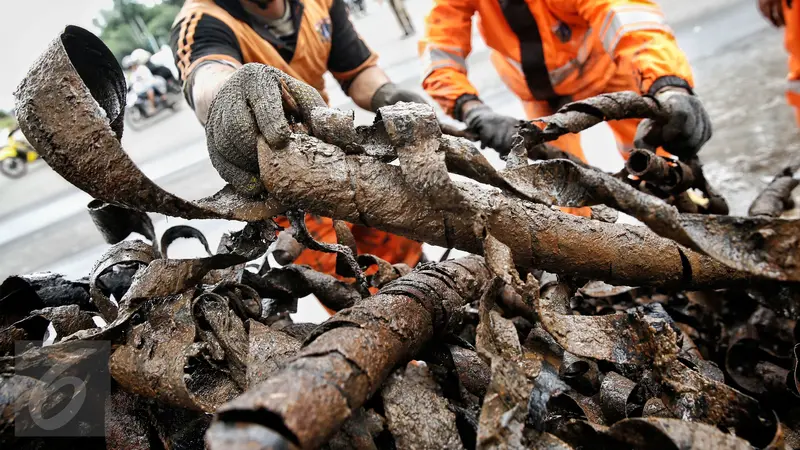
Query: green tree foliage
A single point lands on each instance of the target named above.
(120, 25)
(6, 121)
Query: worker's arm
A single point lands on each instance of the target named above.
(636, 35)
(444, 50)
(354, 65)
(206, 53)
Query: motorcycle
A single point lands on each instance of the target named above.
(137, 110)
(15, 156)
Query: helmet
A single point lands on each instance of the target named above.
(141, 56)
(127, 62)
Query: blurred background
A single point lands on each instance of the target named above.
(737, 56)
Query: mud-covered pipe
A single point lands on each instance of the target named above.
(347, 358)
(681, 177)
(647, 165)
(671, 176)
(371, 194)
(775, 198)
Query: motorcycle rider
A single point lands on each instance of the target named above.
(144, 83)
(158, 70)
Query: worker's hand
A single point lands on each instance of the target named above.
(389, 94)
(772, 10)
(686, 130)
(494, 130)
(247, 105)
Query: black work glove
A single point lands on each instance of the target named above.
(686, 130)
(389, 94)
(494, 130)
(248, 106)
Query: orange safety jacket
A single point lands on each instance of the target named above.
(325, 40)
(566, 49)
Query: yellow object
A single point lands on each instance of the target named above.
(15, 147)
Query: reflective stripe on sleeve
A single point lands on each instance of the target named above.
(439, 57)
(620, 21)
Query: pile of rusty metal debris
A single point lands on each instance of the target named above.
(567, 332)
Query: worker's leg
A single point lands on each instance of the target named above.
(390, 247)
(151, 97)
(792, 42)
(408, 21)
(399, 13)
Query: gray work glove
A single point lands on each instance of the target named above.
(494, 130)
(687, 129)
(389, 94)
(248, 106)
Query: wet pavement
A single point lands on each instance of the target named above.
(739, 64)
(755, 133)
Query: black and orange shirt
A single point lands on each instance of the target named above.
(324, 40)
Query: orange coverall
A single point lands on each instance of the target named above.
(550, 52)
(791, 15)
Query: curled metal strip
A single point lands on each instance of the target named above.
(116, 223)
(70, 107)
(125, 252)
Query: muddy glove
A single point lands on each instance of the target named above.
(389, 94)
(494, 130)
(687, 129)
(247, 105)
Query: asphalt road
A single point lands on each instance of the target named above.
(44, 225)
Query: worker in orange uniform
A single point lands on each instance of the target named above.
(214, 39)
(551, 52)
(784, 13)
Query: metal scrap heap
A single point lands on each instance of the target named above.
(558, 332)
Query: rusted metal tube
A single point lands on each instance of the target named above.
(647, 165)
(348, 357)
(681, 177)
(671, 176)
(776, 197)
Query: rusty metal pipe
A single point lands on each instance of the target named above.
(348, 357)
(648, 166)
(671, 176)
(681, 177)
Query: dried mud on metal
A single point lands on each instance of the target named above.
(558, 331)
